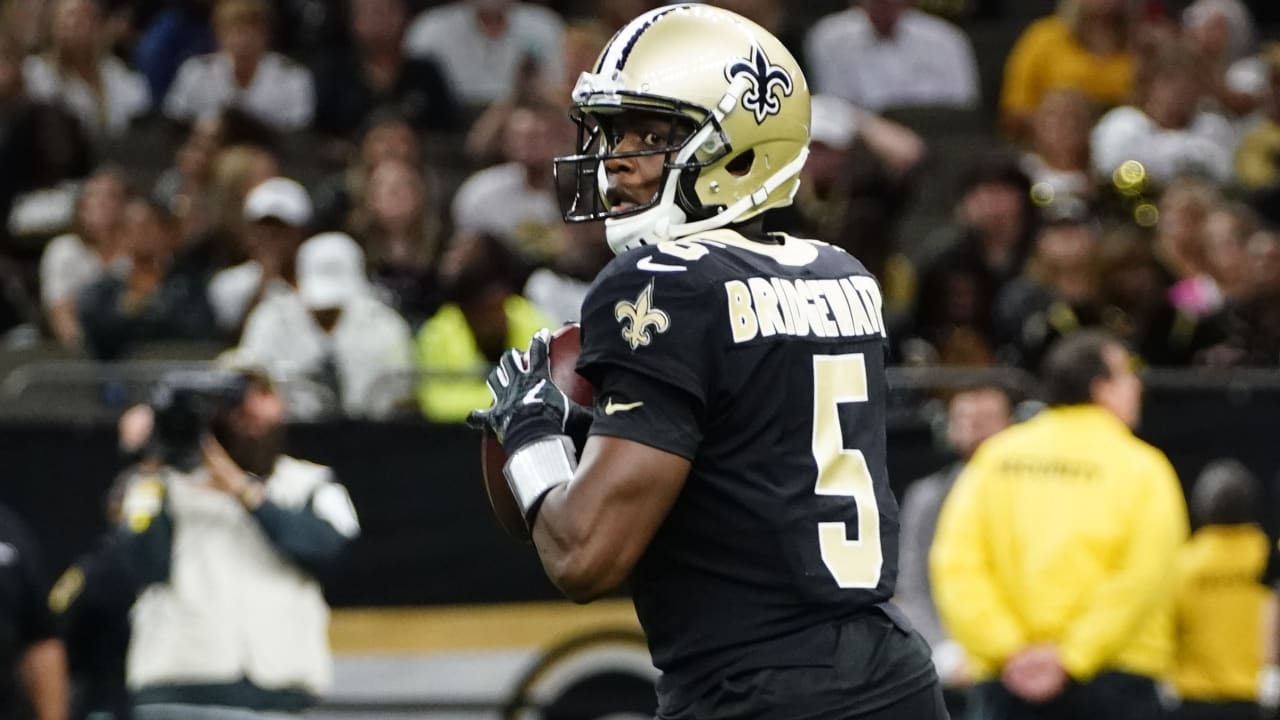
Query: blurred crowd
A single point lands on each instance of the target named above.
(360, 194)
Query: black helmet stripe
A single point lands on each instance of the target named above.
(635, 30)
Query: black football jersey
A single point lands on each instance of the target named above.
(786, 521)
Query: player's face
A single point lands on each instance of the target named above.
(635, 179)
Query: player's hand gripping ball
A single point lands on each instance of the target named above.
(536, 394)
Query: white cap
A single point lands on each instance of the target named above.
(279, 198)
(331, 271)
(834, 121)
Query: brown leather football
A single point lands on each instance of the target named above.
(564, 348)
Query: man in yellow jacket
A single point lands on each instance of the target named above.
(1055, 552)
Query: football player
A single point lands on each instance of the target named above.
(734, 471)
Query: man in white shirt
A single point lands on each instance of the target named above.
(883, 54)
(276, 214)
(515, 201)
(1166, 130)
(481, 44)
(333, 331)
(243, 73)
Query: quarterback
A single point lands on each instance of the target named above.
(734, 471)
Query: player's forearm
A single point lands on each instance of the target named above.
(592, 530)
(44, 670)
(572, 549)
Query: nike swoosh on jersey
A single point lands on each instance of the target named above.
(611, 407)
(647, 263)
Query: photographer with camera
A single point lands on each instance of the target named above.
(227, 536)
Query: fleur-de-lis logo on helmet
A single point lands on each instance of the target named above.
(638, 317)
(765, 77)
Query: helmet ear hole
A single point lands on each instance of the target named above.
(741, 165)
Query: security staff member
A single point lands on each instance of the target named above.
(1220, 599)
(1055, 552)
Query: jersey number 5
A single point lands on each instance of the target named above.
(842, 471)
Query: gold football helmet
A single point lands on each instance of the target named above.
(737, 105)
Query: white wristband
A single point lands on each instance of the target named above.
(533, 470)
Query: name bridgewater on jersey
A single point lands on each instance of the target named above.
(764, 307)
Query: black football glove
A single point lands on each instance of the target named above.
(527, 405)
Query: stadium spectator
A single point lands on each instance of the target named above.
(1057, 158)
(516, 201)
(1222, 34)
(399, 228)
(71, 262)
(375, 73)
(33, 663)
(213, 226)
(44, 153)
(973, 414)
(177, 33)
(387, 135)
(333, 331)
(481, 46)
(148, 298)
(883, 54)
(581, 45)
(307, 29)
(1227, 230)
(1058, 292)
(962, 268)
(483, 317)
(81, 74)
(854, 181)
(1220, 598)
(1165, 129)
(228, 539)
(1088, 45)
(180, 187)
(187, 187)
(26, 23)
(276, 213)
(1252, 324)
(558, 289)
(1137, 309)
(1179, 244)
(1257, 160)
(1055, 553)
(244, 72)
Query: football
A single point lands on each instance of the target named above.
(565, 346)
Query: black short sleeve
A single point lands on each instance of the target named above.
(651, 318)
(637, 407)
